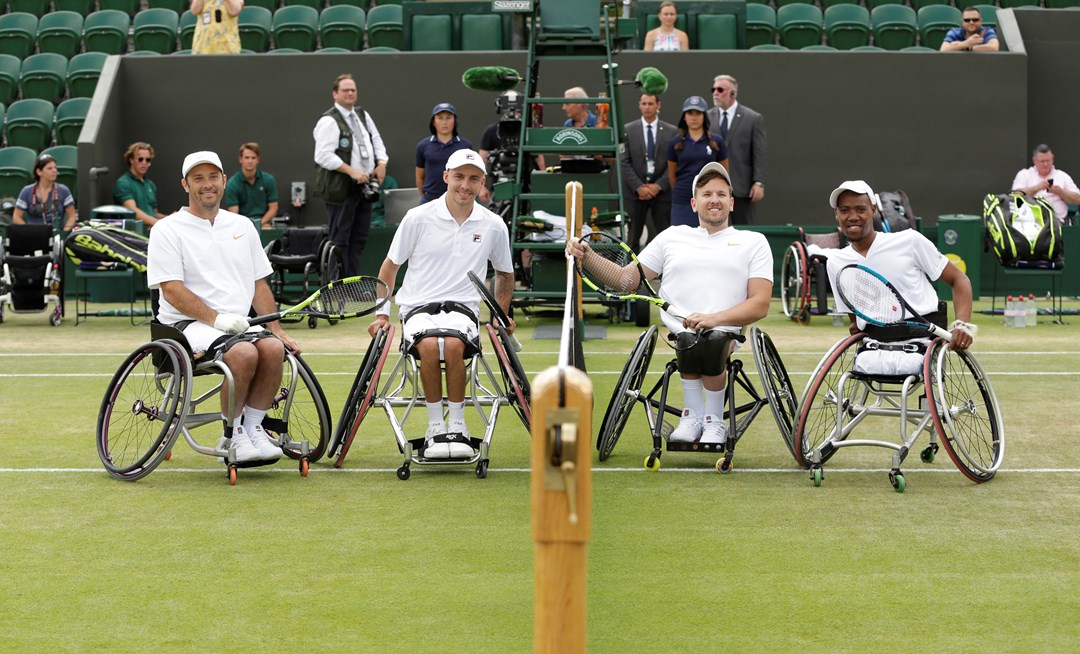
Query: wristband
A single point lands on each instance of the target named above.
(966, 327)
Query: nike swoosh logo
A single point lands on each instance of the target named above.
(734, 245)
(237, 236)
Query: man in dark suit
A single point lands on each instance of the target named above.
(743, 129)
(646, 188)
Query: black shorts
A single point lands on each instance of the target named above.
(706, 357)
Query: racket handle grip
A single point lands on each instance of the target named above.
(514, 342)
(938, 331)
(262, 320)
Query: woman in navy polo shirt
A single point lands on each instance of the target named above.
(688, 152)
(433, 151)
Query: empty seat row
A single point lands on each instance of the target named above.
(46, 76)
(67, 32)
(31, 123)
(919, 4)
(17, 166)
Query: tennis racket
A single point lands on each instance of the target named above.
(351, 297)
(618, 253)
(498, 316)
(874, 299)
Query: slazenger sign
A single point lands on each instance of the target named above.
(511, 5)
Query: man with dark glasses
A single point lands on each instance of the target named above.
(971, 36)
(133, 189)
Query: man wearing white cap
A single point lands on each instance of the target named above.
(910, 262)
(444, 240)
(210, 268)
(722, 273)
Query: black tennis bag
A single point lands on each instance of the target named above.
(896, 213)
(100, 243)
(1006, 215)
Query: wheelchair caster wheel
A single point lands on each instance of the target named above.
(481, 469)
(54, 319)
(312, 322)
(232, 475)
(804, 316)
(305, 467)
(723, 466)
(928, 453)
(403, 472)
(817, 475)
(652, 463)
(896, 478)
(168, 455)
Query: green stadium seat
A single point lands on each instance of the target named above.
(155, 30)
(388, 2)
(81, 7)
(342, 27)
(269, 5)
(69, 120)
(60, 32)
(67, 165)
(44, 76)
(919, 4)
(83, 72)
(317, 5)
(482, 32)
(1012, 4)
(10, 67)
(784, 3)
(799, 25)
(363, 4)
(819, 47)
(296, 27)
(384, 26)
(143, 53)
(825, 4)
(716, 32)
(334, 50)
(847, 26)
(918, 48)
(895, 26)
(36, 7)
(757, 2)
(432, 33)
(760, 25)
(106, 31)
(868, 48)
(1061, 4)
(177, 6)
(29, 123)
(17, 33)
(989, 15)
(382, 48)
(935, 21)
(129, 7)
(770, 47)
(16, 166)
(183, 51)
(187, 29)
(874, 4)
(255, 25)
(286, 51)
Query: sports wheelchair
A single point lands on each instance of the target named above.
(804, 284)
(304, 260)
(952, 400)
(402, 392)
(31, 271)
(151, 400)
(779, 395)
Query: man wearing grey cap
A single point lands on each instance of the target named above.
(210, 267)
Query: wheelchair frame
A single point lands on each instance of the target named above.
(956, 405)
(52, 288)
(804, 283)
(319, 269)
(150, 401)
(779, 395)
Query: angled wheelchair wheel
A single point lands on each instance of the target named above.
(626, 393)
(965, 411)
(515, 382)
(774, 378)
(143, 409)
(817, 422)
(361, 395)
(301, 412)
(793, 279)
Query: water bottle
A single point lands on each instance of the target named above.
(1010, 312)
(1032, 311)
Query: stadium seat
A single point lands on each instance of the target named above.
(36, 7)
(43, 76)
(918, 48)
(825, 4)
(10, 66)
(286, 51)
(775, 47)
(481, 32)
(384, 26)
(819, 47)
(16, 164)
(269, 5)
(183, 51)
(895, 26)
(60, 32)
(29, 124)
(156, 30)
(381, 48)
(784, 3)
(868, 48)
(1060, 4)
(177, 6)
(143, 53)
(342, 27)
(67, 165)
(1011, 4)
(874, 4)
(17, 32)
(432, 33)
(363, 4)
(187, 29)
(317, 5)
(989, 15)
(106, 31)
(799, 25)
(847, 26)
(69, 120)
(296, 27)
(81, 7)
(760, 25)
(255, 24)
(129, 7)
(717, 32)
(83, 72)
(935, 21)
(919, 4)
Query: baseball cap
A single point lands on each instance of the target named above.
(714, 167)
(696, 103)
(202, 157)
(855, 186)
(443, 106)
(466, 158)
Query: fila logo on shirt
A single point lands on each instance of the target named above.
(476, 238)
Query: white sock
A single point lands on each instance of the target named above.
(434, 411)
(238, 423)
(692, 398)
(457, 410)
(714, 402)
(253, 417)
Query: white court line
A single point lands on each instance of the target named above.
(311, 355)
(319, 470)
(530, 373)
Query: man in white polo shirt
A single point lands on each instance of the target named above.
(210, 268)
(443, 240)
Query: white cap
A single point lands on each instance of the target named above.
(711, 167)
(855, 186)
(466, 158)
(203, 157)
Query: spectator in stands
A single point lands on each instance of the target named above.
(1045, 181)
(972, 36)
(252, 193)
(577, 113)
(433, 152)
(134, 190)
(646, 185)
(667, 37)
(743, 131)
(692, 148)
(217, 26)
(45, 202)
(351, 160)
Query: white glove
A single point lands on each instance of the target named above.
(230, 323)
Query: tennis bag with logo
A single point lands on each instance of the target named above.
(100, 243)
(1019, 228)
(896, 213)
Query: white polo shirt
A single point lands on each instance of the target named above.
(218, 262)
(441, 253)
(904, 258)
(706, 273)
(1030, 177)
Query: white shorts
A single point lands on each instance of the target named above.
(422, 322)
(889, 362)
(201, 336)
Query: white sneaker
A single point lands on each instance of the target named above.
(433, 450)
(267, 450)
(714, 430)
(460, 446)
(244, 450)
(688, 429)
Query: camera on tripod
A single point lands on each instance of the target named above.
(510, 106)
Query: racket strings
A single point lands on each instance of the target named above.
(870, 296)
(350, 297)
(604, 265)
